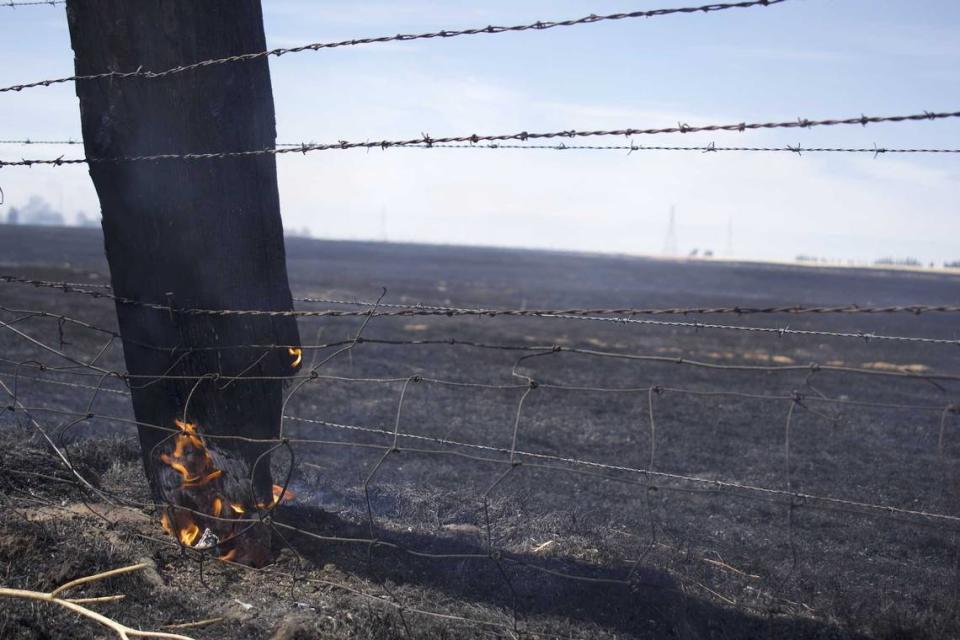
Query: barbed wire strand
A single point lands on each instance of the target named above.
(779, 331)
(31, 3)
(540, 25)
(797, 149)
(418, 309)
(429, 141)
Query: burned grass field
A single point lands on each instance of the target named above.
(512, 476)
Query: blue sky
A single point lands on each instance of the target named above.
(810, 58)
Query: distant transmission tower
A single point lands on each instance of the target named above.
(670, 242)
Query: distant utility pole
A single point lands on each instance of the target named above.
(670, 242)
(200, 234)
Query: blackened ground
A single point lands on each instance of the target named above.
(578, 551)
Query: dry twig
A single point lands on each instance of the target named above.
(124, 632)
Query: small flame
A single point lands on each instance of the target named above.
(182, 458)
(297, 354)
(189, 534)
(191, 460)
(191, 433)
(165, 523)
(282, 495)
(178, 467)
(210, 509)
(200, 481)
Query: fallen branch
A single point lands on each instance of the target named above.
(74, 604)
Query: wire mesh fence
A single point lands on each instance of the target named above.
(598, 464)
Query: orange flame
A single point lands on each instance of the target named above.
(165, 523)
(193, 462)
(178, 467)
(209, 508)
(189, 534)
(191, 433)
(183, 458)
(282, 495)
(200, 481)
(279, 496)
(297, 354)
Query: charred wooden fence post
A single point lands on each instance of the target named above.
(204, 233)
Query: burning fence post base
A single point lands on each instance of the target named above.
(212, 503)
(186, 237)
(76, 604)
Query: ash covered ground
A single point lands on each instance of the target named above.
(552, 547)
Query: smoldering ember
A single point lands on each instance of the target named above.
(431, 395)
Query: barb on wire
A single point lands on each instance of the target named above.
(429, 310)
(522, 136)
(31, 3)
(345, 345)
(426, 310)
(581, 315)
(29, 141)
(874, 150)
(705, 149)
(540, 25)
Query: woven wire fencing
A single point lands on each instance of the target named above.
(780, 466)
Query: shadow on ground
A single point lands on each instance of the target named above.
(633, 599)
